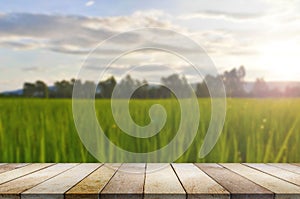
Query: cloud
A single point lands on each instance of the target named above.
(18, 45)
(89, 3)
(236, 16)
(151, 68)
(78, 35)
(230, 42)
(71, 34)
(33, 69)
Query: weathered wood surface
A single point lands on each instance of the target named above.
(278, 172)
(238, 186)
(92, 185)
(57, 186)
(9, 167)
(16, 173)
(126, 184)
(73, 180)
(289, 167)
(281, 188)
(15, 187)
(198, 184)
(161, 182)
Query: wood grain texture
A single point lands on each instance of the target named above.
(128, 182)
(238, 186)
(281, 188)
(16, 173)
(13, 188)
(162, 183)
(9, 167)
(198, 184)
(92, 185)
(277, 172)
(45, 181)
(288, 167)
(58, 185)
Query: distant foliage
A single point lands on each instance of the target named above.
(104, 89)
(37, 89)
(233, 81)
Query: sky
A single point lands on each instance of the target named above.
(52, 40)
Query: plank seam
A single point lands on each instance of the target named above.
(251, 180)
(103, 165)
(186, 193)
(17, 167)
(47, 179)
(27, 173)
(295, 164)
(2, 164)
(283, 168)
(144, 180)
(270, 174)
(99, 194)
(230, 195)
(82, 178)
(13, 169)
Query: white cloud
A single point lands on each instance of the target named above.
(89, 3)
(73, 34)
(77, 35)
(80, 34)
(234, 16)
(34, 69)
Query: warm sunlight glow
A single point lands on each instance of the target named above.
(281, 59)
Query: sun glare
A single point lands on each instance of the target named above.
(281, 60)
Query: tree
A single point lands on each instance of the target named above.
(128, 86)
(260, 88)
(143, 90)
(292, 91)
(275, 92)
(28, 89)
(41, 89)
(234, 82)
(63, 89)
(215, 84)
(106, 87)
(175, 84)
(202, 90)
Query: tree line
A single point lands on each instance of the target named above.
(104, 89)
(233, 81)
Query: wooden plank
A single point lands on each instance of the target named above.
(128, 182)
(13, 188)
(9, 167)
(162, 183)
(92, 185)
(277, 172)
(281, 188)
(58, 185)
(198, 184)
(172, 181)
(289, 167)
(238, 186)
(297, 164)
(16, 173)
(2, 164)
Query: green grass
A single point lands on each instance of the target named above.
(256, 130)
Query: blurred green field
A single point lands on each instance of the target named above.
(256, 130)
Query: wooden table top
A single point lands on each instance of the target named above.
(93, 180)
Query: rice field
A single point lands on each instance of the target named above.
(256, 130)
